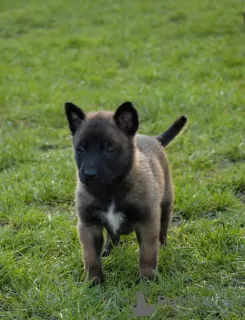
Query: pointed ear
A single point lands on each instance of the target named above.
(126, 118)
(74, 115)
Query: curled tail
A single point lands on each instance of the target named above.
(166, 137)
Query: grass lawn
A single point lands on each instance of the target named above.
(169, 58)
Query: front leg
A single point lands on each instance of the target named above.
(148, 238)
(91, 238)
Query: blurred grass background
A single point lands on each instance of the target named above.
(169, 58)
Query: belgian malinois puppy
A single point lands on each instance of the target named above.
(123, 184)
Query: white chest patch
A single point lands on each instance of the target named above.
(113, 218)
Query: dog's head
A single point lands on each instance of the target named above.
(103, 142)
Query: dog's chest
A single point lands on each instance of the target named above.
(112, 218)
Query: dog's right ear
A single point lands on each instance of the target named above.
(74, 115)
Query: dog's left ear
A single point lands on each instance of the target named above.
(126, 118)
(74, 115)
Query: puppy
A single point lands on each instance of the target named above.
(123, 185)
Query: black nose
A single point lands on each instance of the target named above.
(90, 173)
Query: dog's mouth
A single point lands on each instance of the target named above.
(91, 181)
(95, 182)
(88, 182)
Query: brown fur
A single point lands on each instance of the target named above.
(145, 190)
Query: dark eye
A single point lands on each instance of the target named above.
(110, 149)
(81, 150)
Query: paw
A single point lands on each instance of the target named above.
(144, 279)
(95, 275)
(105, 252)
(96, 281)
(147, 273)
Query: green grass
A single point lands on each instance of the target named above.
(170, 58)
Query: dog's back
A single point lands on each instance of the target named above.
(156, 158)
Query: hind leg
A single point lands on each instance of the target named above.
(166, 209)
(112, 240)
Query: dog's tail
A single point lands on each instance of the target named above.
(166, 137)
